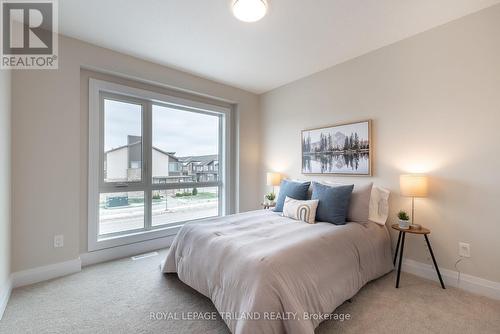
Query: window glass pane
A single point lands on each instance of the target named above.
(185, 146)
(122, 141)
(119, 212)
(184, 204)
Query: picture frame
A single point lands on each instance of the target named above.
(339, 149)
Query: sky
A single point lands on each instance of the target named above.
(360, 128)
(185, 133)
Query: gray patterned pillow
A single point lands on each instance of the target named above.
(300, 210)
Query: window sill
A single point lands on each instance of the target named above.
(125, 239)
(139, 236)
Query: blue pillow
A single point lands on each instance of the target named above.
(295, 190)
(333, 202)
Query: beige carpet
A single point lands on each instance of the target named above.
(118, 296)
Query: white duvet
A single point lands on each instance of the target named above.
(269, 274)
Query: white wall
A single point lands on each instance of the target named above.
(50, 120)
(435, 104)
(160, 164)
(5, 181)
(117, 164)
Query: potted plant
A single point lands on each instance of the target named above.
(404, 220)
(270, 198)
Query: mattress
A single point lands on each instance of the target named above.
(270, 274)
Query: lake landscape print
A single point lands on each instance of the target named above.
(339, 149)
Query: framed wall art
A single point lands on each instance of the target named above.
(344, 149)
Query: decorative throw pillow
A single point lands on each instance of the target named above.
(333, 202)
(295, 190)
(300, 210)
(379, 205)
(359, 205)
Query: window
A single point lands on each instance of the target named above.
(122, 140)
(173, 167)
(142, 150)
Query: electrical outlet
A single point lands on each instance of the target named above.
(464, 249)
(58, 241)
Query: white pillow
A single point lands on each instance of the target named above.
(300, 210)
(359, 204)
(379, 202)
(379, 205)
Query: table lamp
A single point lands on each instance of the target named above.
(273, 179)
(413, 185)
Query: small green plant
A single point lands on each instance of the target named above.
(403, 215)
(195, 191)
(156, 196)
(271, 196)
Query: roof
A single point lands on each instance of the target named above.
(199, 159)
(170, 154)
(122, 147)
(195, 159)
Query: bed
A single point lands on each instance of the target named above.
(270, 274)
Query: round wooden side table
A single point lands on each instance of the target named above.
(401, 240)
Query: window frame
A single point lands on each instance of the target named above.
(104, 185)
(99, 91)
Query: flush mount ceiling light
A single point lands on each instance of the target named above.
(249, 10)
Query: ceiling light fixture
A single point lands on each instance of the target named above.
(249, 10)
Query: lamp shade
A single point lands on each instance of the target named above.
(273, 179)
(413, 185)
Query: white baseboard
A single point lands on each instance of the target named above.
(120, 252)
(5, 291)
(44, 273)
(469, 283)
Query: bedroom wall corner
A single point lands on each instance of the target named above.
(5, 187)
(49, 147)
(434, 102)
